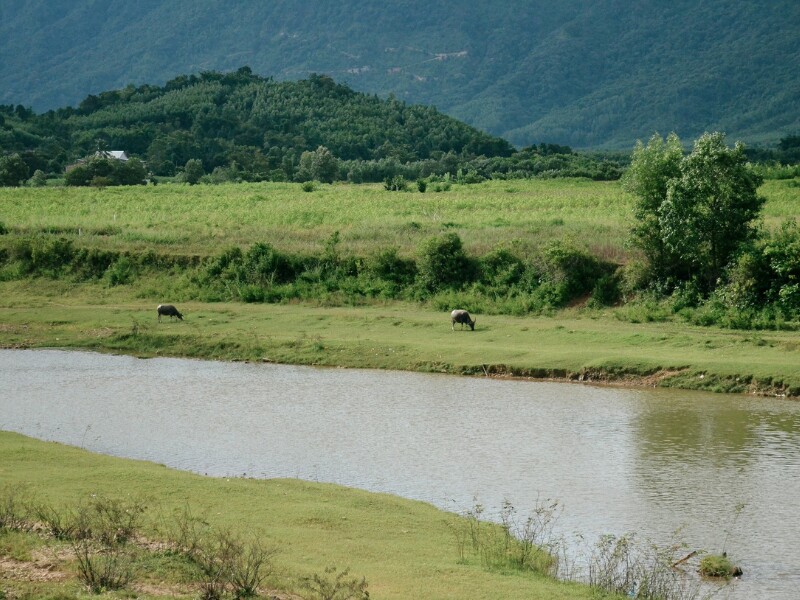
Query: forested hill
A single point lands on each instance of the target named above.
(222, 118)
(586, 73)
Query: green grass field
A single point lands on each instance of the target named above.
(205, 219)
(202, 220)
(405, 549)
(573, 345)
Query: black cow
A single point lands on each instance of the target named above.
(168, 311)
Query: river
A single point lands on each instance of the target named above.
(723, 469)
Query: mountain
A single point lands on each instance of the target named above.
(587, 73)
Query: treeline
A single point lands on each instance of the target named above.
(239, 126)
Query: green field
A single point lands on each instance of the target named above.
(573, 345)
(206, 219)
(202, 220)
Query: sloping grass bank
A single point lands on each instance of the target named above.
(404, 549)
(585, 346)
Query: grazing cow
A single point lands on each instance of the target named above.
(168, 311)
(461, 316)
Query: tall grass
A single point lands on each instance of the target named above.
(204, 219)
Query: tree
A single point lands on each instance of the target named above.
(694, 212)
(320, 164)
(710, 209)
(193, 171)
(38, 179)
(443, 263)
(651, 169)
(13, 170)
(131, 172)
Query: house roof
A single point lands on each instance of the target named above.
(116, 154)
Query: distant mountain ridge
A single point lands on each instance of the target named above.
(587, 73)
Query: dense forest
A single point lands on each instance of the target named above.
(583, 73)
(240, 126)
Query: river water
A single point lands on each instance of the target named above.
(724, 470)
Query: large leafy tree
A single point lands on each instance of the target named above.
(320, 164)
(652, 168)
(13, 170)
(693, 212)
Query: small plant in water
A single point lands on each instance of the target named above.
(716, 565)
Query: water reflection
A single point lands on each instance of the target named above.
(727, 471)
(617, 460)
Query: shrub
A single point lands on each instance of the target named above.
(92, 263)
(389, 266)
(470, 177)
(50, 255)
(102, 567)
(121, 272)
(100, 181)
(501, 268)
(61, 524)
(105, 560)
(193, 171)
(336, 586)
(13, 514)
(39, 179)
(395, 184)
(225, 560)
(606, 291)
(783, 254)
(569, 273)
(13, 170)
(265, 265)
(444, 264)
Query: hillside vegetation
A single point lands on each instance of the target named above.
(575, 72)
(239, 126)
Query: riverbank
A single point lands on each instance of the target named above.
(586, 346)
(404, 549)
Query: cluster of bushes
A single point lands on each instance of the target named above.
(56, 256)
(760, 289)
(102, 172)
(696, 227)
(442, 272)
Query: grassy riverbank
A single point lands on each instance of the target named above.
(575, 345)
(404, 549)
